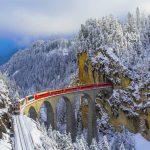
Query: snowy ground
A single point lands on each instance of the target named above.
(22, 135)
(141, 143)
(5, 145)
(32, 137)
(55, 140)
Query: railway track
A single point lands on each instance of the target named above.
(21, 136)
(23, 140)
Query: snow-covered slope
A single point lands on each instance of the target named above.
(116, 52)
(46, 64)
(53, 140)
(5, 116)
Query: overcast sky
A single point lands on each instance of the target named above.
(43, 17)
(23, 20)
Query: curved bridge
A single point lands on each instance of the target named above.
(31, 105)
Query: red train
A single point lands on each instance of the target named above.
(18, 106)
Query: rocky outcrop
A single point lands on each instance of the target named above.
(128, 105)
(4, 124)
(94, 71)
(5, 108)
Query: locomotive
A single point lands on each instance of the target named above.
(16, 107)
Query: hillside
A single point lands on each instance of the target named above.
(45, 65)
(5, 113)
(116, 52)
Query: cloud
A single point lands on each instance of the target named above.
(35, 24)
(46, 17)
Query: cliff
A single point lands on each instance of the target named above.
(5, 113)
(128, 105)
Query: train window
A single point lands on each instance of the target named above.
(30, 97)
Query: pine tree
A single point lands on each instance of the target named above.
(94, 145)
(68, 142)
(138, 17)
(104, 143)
(81, 143)
(50, 132)
(122, 147)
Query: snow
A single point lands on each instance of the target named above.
(41, 140)
(3, 87)
(65, 52)
(141, 143)
(36, 136)
(111, 53)
(17, 71)
(5, 145)
(5, 106)
(3, 110)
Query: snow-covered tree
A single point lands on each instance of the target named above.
(122, 147)
(129, 39)
(44, 65)
(94, 145)
(81, 143)
(104, 143)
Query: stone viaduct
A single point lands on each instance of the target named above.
(32, 108)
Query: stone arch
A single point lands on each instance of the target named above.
(32, 113)
(49, 114)
(91, 125)
(70, 117)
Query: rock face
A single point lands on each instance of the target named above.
(87, 73)
(5, 106)
(128, 105)
(4, 124)
(92, 72)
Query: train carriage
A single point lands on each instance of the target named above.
(41, 95)
(17, 108)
